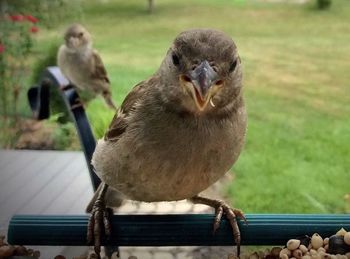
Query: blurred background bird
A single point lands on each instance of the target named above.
(176, 133)
(83, 66)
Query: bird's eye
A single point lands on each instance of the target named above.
(233, 66)
(176, 59)
(80, 34)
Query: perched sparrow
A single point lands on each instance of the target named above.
(82, 65)
(176, 133)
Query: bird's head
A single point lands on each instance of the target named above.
(77, 37)
(203, 70)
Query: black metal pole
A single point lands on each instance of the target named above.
(53, 76)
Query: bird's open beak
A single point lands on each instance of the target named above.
(199, 81)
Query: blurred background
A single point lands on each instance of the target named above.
(296, 59)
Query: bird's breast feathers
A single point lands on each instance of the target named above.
(169, 159)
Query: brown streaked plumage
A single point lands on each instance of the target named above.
(82, 64)
(178, 132)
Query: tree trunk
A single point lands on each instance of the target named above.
(150, 6)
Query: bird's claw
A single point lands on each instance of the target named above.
(99, 225)
(222, 208)
(231, 214)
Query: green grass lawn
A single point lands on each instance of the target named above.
(297, 89)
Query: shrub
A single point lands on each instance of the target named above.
(16, 41)
(20, 21)
(324, 4)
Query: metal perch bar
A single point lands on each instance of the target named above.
(172, 230)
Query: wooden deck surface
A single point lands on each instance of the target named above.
(43, 182)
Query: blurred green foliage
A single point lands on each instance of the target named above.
(64, 135)
(20, 23)
(49, 12)
(324, 4)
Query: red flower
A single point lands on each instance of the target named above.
(16, 17)
(2, 48)
(31, 18)
(34, 29)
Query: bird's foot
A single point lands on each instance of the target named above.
(65, 87)
(99, 225)
(77, 104)
(222, 208)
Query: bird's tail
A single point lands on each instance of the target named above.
(108, 99)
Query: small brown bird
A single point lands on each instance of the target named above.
(82, 65)
(176, 133)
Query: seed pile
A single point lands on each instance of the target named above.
(7, 250)
(315, 247)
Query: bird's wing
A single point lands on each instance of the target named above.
(119, 122)
(98, 70)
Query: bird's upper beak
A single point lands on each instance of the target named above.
(199, 81)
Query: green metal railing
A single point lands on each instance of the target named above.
(173, 230)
